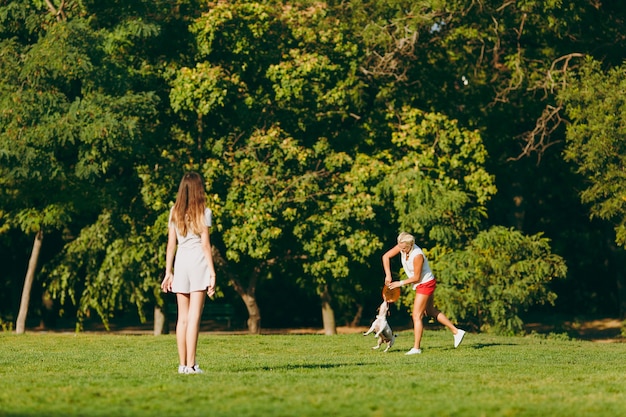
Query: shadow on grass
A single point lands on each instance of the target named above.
(486, 345)
(301, 366)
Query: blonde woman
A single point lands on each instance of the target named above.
(420, 276)
(190, 273)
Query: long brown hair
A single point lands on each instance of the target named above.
(188, 211)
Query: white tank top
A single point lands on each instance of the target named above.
(407, 265)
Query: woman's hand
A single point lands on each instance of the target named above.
(211, 290)
(166, 284)
(394, 284)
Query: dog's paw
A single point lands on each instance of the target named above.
(375, 347)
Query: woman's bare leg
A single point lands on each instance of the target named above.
(438, 315)
(419, 308)
(196, 304)
(181, 327)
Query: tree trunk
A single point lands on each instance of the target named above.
(254, 314)
(248, 295)
(357, 316)
(161, 325)
(20, 325)
(328, 315)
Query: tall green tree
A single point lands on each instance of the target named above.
(596, 145)
(35, 131)
(272, 94)
(79, 108)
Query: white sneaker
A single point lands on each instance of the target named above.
(458, 337)
(414, 351)
(193, 370)
(181, 369)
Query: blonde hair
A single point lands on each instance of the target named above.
(405, 237)
(188, 210)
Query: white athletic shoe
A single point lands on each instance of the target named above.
(458, 337)
(181, 369)
(414, 351)
(193, 370)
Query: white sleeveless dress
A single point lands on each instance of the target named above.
(191, 271)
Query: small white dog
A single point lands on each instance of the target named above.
(381, 328)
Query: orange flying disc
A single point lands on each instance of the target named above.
(391, 295)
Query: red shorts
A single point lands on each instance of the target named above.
(427, 288)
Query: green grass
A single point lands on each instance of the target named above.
(64, 375)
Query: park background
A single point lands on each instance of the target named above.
(493, 131)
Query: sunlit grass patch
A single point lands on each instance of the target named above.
(309, 375)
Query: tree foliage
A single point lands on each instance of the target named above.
(596, 140)
(269, 101)
(437, 180)
(499, 276)
(321, 129)
(77, 123)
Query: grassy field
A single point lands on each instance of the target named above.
(64, 375)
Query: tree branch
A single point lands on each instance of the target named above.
(539, 140)
(58, 13)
